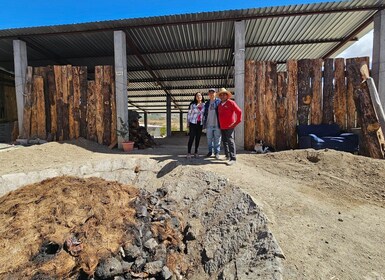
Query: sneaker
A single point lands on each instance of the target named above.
(188, 156)
(230, 162)
(196, 155)
(216, 156)
(209, 155)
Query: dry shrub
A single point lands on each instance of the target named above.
(94, 211)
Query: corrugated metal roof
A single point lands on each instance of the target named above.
(194, 52)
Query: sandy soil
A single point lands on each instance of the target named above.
(326, 208)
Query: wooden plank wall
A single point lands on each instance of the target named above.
(311, 91)
(60, 104)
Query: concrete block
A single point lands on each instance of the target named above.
(102, 166)
(49, 173)
(86, 169)
(95, 174)
(117, 164)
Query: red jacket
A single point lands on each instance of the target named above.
(230, 115)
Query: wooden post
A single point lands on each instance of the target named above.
(316, 89)
(328, 92)
(34, 120)
(271, 104)
(91, 112)
(304, 91)
(99, 103)
(106, 90)
(281, 138)
(59, 101)
(26, 130)
(83, 101)
(260, 80)
(292, 107)
(38, 90)
(249, 113)
(372, 137)
(52, 102)
(76, 101)
(340, 92)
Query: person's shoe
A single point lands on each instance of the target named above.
(216, 156)
(227, 158)
(230, 162)
(188, 156)
(196, 155)
(209, 155)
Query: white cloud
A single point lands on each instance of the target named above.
(362, 47)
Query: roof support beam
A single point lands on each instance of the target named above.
(133, 47)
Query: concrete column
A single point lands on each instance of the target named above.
(120, 79)
(239, 78)
(378, 64)
(21, 64)
(168, 115)
(181, 121)
(145, 120)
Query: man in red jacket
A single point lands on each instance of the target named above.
(230, 115)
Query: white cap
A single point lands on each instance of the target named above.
(212, 89)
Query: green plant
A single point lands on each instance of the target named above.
(124, 130)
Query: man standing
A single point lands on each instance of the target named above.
(211, 124)
(230, 115)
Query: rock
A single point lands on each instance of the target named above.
(139, 264)
(153, 267)
(151, 244)
(131, 251)
(166, 273)
(126, 266)
(109, 268)
(141, 211)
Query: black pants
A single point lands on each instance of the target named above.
(195, 133)
(229, 143)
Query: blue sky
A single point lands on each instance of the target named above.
(28, 13)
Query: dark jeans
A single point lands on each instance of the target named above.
(195, 133)
(229, 143)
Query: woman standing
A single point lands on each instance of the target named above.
(194, 123)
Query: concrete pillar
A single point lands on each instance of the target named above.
(181, 121)
(145, 120)
(239, 78)
(168, 115)
(378, 64)
(120, 79)
(21, 64)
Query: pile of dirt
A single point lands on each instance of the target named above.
(70, 228)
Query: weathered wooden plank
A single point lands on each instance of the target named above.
(34, 112)
(328, 92)
(281, 138)
(107, 105)
(91, 112)
(42, 71)
(316, 85)
(114, 136)
(260, 81)
(38, 89)
(271, 104)
(27, 114)
(10, 108)
(340, 93)
(99, 103)
(371, 133)
(76, 101)
(292, 107)
(70, 103)
(249, 108)
(350, 103)
(52, 103)
(83, 100)
(59, 101)
(304, 91)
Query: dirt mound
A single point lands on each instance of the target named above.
(37, 220)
